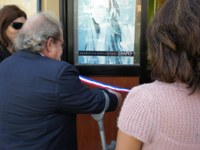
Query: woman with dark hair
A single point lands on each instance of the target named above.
(164, 114)
(12, 19)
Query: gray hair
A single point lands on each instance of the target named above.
(36, 32)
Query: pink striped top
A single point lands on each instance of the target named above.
(163, 116)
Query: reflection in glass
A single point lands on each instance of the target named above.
(105, 31)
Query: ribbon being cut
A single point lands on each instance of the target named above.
(101, 85)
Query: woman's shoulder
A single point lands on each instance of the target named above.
(158, 86)
(149, 93)
(148, 87)
(156, 92)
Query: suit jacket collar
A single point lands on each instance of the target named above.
(27, 53)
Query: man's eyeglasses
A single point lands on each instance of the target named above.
(17, 25)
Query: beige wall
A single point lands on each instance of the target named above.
(30, 6)
(51, 5)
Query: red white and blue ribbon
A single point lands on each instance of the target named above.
(101, 85)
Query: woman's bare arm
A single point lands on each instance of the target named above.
(127, 142)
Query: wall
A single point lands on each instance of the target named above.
(50, 5)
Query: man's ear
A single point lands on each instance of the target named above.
(49, 44)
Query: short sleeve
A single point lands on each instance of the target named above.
(137, 116)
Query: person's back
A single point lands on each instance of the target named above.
(40, 95)
(164, 116)
(28, 110)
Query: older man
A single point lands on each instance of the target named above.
(41, 95)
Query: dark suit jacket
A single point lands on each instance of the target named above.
(39, 100)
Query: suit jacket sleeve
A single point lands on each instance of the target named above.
(75, 97)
